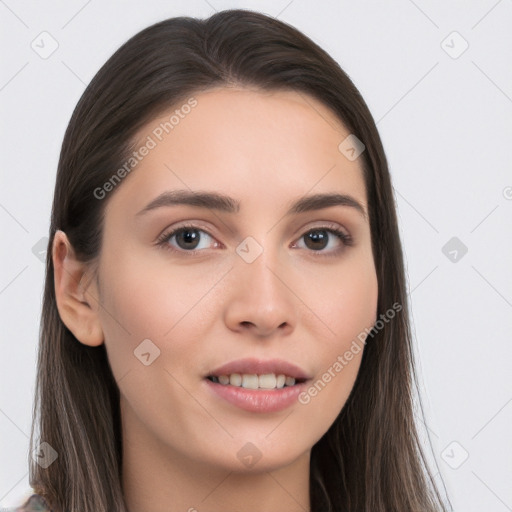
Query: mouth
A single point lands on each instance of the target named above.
(257, 385)
(266, 381)
(251, 373)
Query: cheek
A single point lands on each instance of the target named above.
(342, 301)
(149, 295)
(154, 301)
(354, 305)
(345, 309)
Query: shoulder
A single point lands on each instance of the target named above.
(35, 503)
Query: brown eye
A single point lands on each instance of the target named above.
(324, 241)
(187, 238)
(317, 239)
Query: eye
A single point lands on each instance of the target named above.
(323, 239)
(186, 238)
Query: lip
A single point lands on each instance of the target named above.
(261, 367)
(256, 400)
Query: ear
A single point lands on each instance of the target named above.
(76, 294)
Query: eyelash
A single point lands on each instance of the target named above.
(346, 240)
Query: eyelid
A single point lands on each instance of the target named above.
(191, 224)
(327, 225)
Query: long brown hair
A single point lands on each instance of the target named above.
(371, 458)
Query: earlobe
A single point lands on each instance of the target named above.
(76, 295)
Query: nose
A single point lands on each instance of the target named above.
(260, 298)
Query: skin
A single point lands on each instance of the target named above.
(180, 443)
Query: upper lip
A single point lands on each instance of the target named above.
(260, 367)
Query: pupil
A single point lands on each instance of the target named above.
(187, 238)
(317, 239)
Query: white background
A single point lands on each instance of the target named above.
(446, 125)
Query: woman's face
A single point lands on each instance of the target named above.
(250, 278)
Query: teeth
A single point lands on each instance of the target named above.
(290, 381)
(223, 379)
(252, 381)
(280, 381)
(267, 381)
(235, 379)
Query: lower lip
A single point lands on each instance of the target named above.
(257, 400)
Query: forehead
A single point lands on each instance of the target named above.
(246, 142)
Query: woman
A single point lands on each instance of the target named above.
(225, 320)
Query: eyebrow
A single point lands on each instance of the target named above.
(223, 203)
